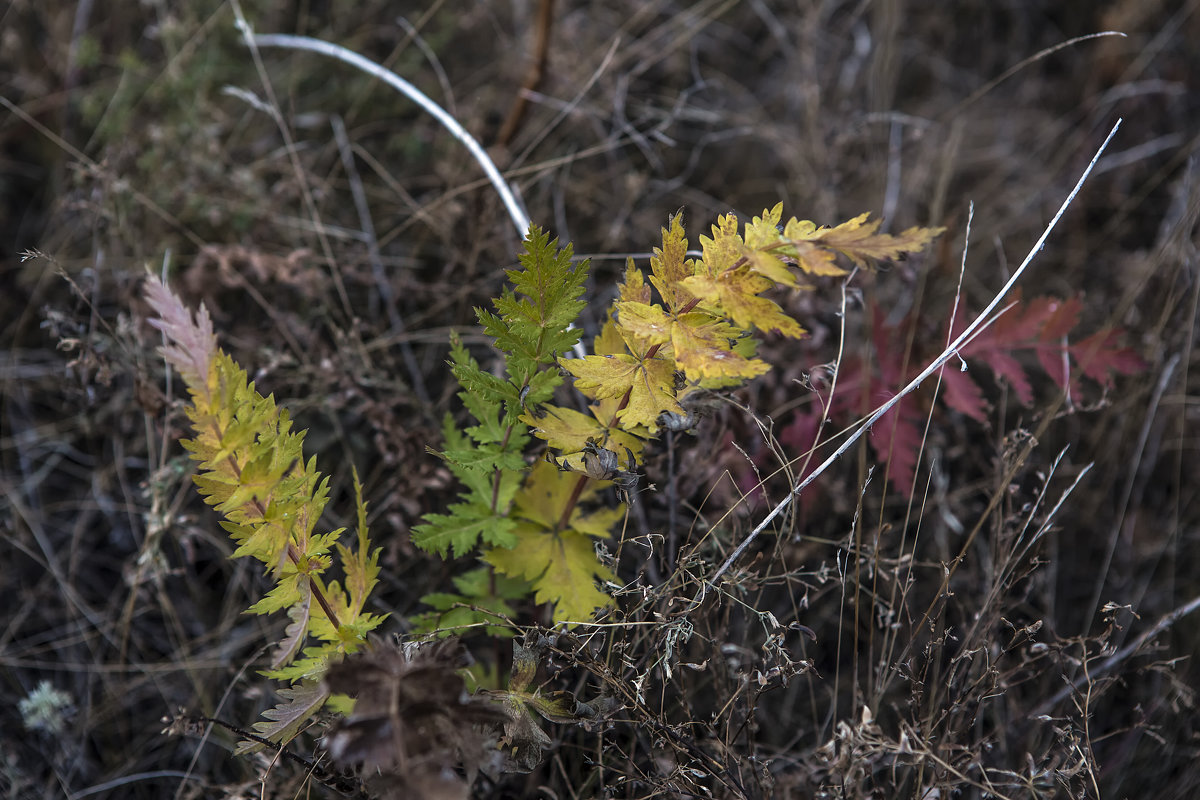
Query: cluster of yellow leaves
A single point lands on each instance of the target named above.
(688, 324)
(558, 560)
(652, 354)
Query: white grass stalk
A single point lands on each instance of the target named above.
(515, 210)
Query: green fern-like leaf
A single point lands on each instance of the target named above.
(253, 471)
(531, 325)
(534, 321)
(484, 598)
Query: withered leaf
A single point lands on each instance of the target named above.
(414, 725)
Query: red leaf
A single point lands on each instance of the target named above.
(798, 438)
(896, 440)
(1042, 325)
(1014, 328)
(1063, 317)
(1009, 369)
(962, 394)
(1052, 340)
(1099, 356)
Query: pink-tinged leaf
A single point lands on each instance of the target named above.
(191, 344)
(896, 440)
(962, 394)
(1025, 319)
(799, 437)
(994, 345)
(1052, 340)
(1042, 325)
(1056, 364)
(1063, 317)
(1100, 355)
(1016, 328)
(1006, 367)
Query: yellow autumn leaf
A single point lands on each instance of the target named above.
(670, 265)
(649, 383)
(857, 239)
(563, 428)
(569, 431)
(763, 231)
(606, 410)
(598, 523)
(609, 342)
(809, 256)
(603, 376)
(702, 350)
(561, 567)
(736, 294)
(770, 266)
(724, 249)
(649, 324)
(547, 492)
(634, 288)
(762, 243)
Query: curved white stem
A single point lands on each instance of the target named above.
(515, 210)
